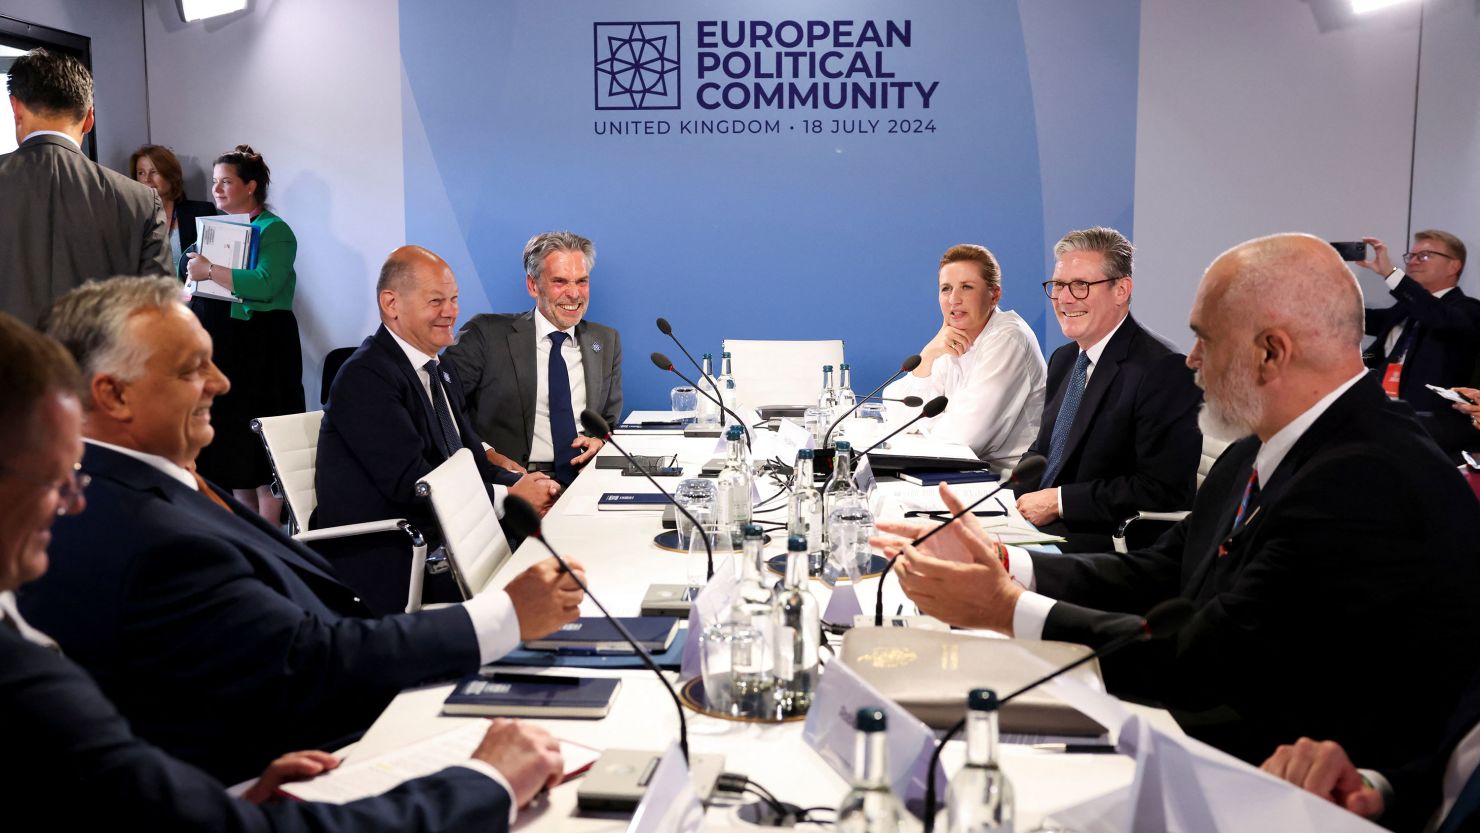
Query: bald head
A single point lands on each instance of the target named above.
(1296, 283)
(1279, 325)
(418, 298)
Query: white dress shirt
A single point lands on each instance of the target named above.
(1394, 278)
(71, 140)
(1032, 608)
(8, 610)
(494, 621)
(419, 360)
(541, 446)
(996, 390)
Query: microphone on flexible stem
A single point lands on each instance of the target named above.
(525, 522)
(908, 401)
(910, 363)
(596, 426)
(1163, 621)
(1028, 469)
(666, 329)
(932, 409)
(664, 363)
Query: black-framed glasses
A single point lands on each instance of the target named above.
(1079, 289)
(1424, 257)
(69, 489)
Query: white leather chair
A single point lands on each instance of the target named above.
(1211, 450)
(475, 542)
(771, 373)
(292, 444)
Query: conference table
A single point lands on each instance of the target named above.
(621, 560)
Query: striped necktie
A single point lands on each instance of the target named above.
(1068, 409)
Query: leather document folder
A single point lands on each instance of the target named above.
(930, 672)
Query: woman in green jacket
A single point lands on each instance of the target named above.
(255, 339)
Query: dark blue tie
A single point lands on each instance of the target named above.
(1462, 815)
(1068, 409)
(448, 432)
(562, 414)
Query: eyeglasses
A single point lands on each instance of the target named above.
(1079, 289)
(1424, 257)
(69, 490)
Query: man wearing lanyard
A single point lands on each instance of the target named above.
(1431, 333)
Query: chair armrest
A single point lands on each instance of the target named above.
(1118, 540)
(367, 528)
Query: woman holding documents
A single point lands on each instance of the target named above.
(247, 307)
(157, 167)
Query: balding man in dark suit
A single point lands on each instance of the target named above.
(64, 218)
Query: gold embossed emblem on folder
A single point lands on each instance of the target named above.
(887, 657)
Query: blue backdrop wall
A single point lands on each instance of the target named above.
(696, 145)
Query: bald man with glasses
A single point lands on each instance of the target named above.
(1429, 336)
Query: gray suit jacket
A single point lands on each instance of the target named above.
(64, 219)
(495, 358)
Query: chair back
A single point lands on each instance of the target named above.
(1211, 450)
(780, 372)
(292, 443)
(475, 542)
(334, 360)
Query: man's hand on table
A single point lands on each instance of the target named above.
(546, 597)
(1323, 768)
(538, 490)
(527, 756)
(1040, 507)
(294, 766)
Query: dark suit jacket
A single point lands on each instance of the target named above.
(378, 438)
(495, 356)
(1344, 609)
(1418, 788)
(1444, 352)
(72, 759)
(64, 219)
(222, 640)
(1134, 444)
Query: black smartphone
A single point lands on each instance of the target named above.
(1352, 250)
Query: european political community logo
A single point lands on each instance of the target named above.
(637, 66)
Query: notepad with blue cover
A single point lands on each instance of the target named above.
(491, 693)
(935, 477)
(632, 502)
(596, 635)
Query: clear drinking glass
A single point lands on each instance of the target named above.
(685, 400)
(696, 495)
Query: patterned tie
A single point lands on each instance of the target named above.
(562, 413)
(1246, 507)
(448, 431)
(1065, 421)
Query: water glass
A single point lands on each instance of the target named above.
(733, 661)
(685, 400)
(696, 495)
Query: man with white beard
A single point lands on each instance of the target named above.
(1326, 555)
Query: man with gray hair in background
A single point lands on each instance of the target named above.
(1328, 555)
(528, 376)
(1119, 428)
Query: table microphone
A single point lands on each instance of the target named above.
(1163, 621)
(910, 363)
(664, 363)
(596, 426)
(933, 408)
(666, 329)
(525, 522)
(908, 401)
(1029, 467)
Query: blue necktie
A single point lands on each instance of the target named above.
(448, 432)
(562, 414)
(1462, 815)
(1065, 421)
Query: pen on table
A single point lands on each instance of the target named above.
(1077, 748)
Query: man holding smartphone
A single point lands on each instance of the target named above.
(1430, 335)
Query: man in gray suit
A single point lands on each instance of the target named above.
(63, 218)
(527, 376)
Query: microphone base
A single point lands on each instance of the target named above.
(763, 814)
(618, 780)
(668, 600)
(698, 430)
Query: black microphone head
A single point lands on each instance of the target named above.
(594, 424)
(935, 406)
(662, 361)
(1169, 617)
(909, 363)
(1028, 470)
(664, 328)
(521, 518)
(912, 401)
